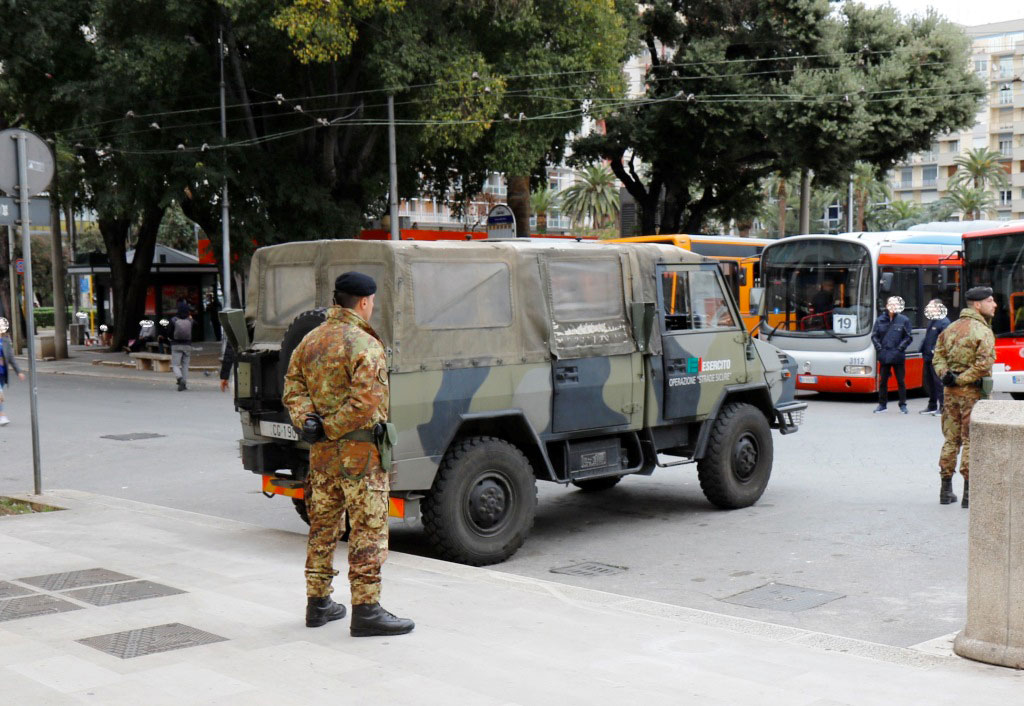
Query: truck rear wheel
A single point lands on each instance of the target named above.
(738, 460)
(482, 503)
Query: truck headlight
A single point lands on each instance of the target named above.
(857, 369)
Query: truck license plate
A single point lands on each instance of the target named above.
(807, 379)
(1018, 379)
(278, 430)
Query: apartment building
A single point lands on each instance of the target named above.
(998, 59)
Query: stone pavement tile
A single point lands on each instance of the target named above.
(18, 690)
(66, 673)
(170, 685)
(16, 648)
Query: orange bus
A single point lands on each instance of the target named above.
(739, 259)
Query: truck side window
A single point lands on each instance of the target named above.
(288, 290)
(461, 295)
(710, 305)
(677, 306)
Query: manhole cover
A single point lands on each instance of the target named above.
(75, 579)
(9, 590)
(134, 436)
(148, 641)
(589, 568)
(122, 592)
(779, 596)
(31, 606)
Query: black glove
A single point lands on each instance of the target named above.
(949, 379)
(312, 429)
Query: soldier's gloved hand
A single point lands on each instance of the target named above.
(312, 429)
(949, 379)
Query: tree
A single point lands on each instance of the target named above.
(899, 215)
(542, 201)
(593, 197)
(868, 190)
(979, 168)
(969, 201)
(738, 90)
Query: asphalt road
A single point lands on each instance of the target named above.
(851, 510)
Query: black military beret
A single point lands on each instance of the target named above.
(355, 283)
(977, 294)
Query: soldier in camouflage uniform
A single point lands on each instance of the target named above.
(964, 354)
(336, 392)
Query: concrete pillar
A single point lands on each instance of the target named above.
(995, 571)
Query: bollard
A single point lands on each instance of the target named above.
(995, 557)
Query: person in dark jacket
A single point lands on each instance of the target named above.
(227, 362)
(891, 337)
(935, 312)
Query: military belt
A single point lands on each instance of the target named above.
(359, 435)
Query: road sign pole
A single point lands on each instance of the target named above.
(15, 313)
(26, 247)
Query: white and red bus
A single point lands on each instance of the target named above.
(994, 257)
(822, 294)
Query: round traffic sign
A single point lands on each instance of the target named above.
(39, 162)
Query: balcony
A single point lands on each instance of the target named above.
(927, 158)
(928, 183)
(1018, 152)
(946, 158)
(1017, 179)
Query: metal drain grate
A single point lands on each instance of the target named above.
(590, 568)
(75, 579)
(122, 592)
(9, 590)
(779, 596)
(31, 606)
(148, 641)
(134, 436)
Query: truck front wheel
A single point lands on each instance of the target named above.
(482, 503)
(738, 460)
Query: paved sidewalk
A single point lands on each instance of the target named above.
(482, 636)
(204, 370)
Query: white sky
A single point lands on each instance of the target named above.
(965, 12)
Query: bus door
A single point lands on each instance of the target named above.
(700, 328)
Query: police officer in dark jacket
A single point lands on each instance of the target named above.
(935, 312)
(891, 337)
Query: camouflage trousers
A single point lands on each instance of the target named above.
(956, 428)
(345, 478)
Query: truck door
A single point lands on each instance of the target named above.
(702, 339)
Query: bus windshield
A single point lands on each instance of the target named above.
(998, 262)
(817, 288)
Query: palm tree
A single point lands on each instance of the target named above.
(971, 202)
(899, 215)
(594, 196)
(542, 201)
(868, 189)
(778, 187)
(980, 167)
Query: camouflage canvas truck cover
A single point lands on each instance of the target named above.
(513, 361)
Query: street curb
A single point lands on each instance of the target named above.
(922, 658)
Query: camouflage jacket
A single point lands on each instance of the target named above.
(967, 348)
(339, 371)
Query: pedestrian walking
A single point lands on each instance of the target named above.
(227, 362)
(891, 336)
(964, 354)
(212, 308)
(935, 311)
(7, 364)
(336, 392)
(181, 344)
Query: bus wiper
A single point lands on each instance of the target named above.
(774, 330)
(833, 334)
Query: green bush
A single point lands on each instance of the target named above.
(44, 316)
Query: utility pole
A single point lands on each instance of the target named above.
(225, 230)
(849, 206)
(805, 201)
(15, 313)
(393, 166)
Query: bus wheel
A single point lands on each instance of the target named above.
(482, 503)
(738, 460)
(596, 485)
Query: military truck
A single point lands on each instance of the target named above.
(517, 361)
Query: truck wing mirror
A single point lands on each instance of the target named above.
(885, 283)
(757, 300)
(233, 323)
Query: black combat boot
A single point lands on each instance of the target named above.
(320, 611)
(181, 384)
(370, 619)
(946, 494)
(967, 490)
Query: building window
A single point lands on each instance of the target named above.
(981, 66)
(1006, 144)
(954, 146)
(1005, 197)
(906, 177)
(930, 175)
(1005, 94)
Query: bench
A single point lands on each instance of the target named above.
(160, 362)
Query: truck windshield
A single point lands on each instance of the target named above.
(817, 287)
(998, 262)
